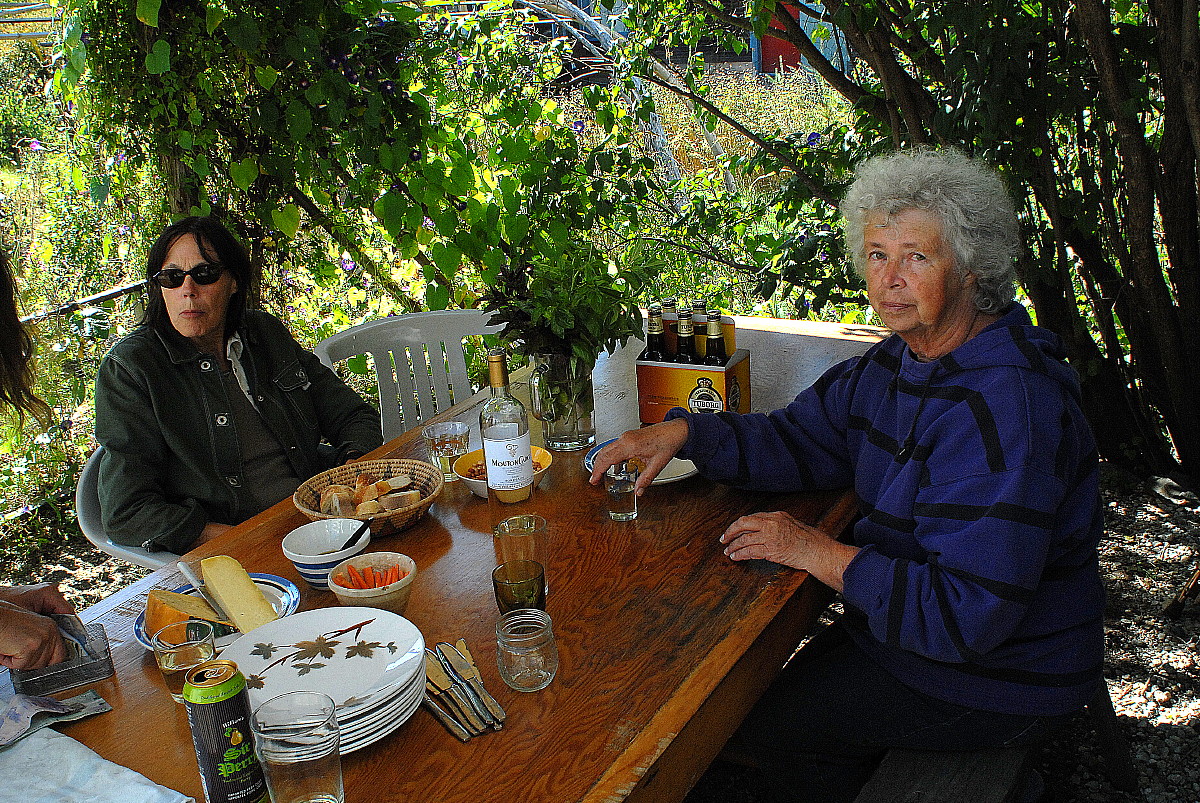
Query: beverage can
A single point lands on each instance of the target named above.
(218, 712)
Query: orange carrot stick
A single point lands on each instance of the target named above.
(356, 578)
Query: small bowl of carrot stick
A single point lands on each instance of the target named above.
(374, 579)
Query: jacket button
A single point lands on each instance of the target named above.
(222, 420)
(205, 365)
(234, 481)
(260, 398)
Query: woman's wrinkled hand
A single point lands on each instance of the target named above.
(39, 598)
(653, 446)
(780, 538)
(28, 640)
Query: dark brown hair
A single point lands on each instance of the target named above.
(218, 245)
(16, 354)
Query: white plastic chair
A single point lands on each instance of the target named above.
(426, 346)
(87, 511)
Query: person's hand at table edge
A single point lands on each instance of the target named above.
(29, 640)
(653, 446)
(780, 538)
(39, 598)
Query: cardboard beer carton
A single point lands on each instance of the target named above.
(699, 388)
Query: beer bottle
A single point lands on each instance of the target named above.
(699, 322)
(686, 343)
(655, 349)
(714, 351)
(670, 319)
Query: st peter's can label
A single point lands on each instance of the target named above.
(218, 711)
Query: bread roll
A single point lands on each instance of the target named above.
(335, 502)
(368, 508)
(399, 499)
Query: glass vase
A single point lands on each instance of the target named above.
(561, 392)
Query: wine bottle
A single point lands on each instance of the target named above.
(504, 428)
(655, 350)
(714, 349)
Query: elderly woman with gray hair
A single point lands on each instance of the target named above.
(971, 583)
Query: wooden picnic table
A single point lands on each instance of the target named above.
(665, 643)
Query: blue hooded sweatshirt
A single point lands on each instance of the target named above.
(978, 580)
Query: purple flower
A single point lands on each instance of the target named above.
(577, 126)
(34, 145)
(120, 157)
(824, 227)
(349, 265)
(123, 229)
(428, 224)
(461, 60)
(814, 139)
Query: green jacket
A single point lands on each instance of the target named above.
(172, 461)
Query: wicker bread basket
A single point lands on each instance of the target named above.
(426, 478)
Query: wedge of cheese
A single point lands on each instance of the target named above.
(166, 607)
(236, 593)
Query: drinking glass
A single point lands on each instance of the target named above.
(447, 442)
(181, 646)
(526, 653)
(296, 739)
(619, 481)
(519, 584)
(524, 537)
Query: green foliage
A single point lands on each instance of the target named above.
(27, 120)
(576, 305)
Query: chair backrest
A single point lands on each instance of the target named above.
(87, 512)
(419, 363)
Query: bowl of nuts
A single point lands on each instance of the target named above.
(470, 469)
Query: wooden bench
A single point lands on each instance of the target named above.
(990, 776)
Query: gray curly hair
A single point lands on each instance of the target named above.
(976, 212)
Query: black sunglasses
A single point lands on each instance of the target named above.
(204, 273)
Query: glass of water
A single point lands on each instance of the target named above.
(526, 652)
(619, 481)
(296, 739)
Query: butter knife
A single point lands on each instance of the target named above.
(436, 674)
(446, 703)
(464, 664)
(448, 722)
(198, 584)
(461, 683)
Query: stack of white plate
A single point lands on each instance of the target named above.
(370, 661)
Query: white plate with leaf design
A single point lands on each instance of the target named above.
(358, 656)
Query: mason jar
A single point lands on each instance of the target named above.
(526, 653)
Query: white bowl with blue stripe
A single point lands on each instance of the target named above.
(310, 548)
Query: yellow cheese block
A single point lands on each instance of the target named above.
(166, 607)
(236, 593)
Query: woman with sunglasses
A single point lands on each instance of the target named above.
(210, 413)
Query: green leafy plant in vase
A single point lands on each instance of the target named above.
(562, 311)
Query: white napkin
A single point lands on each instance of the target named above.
(48, 767)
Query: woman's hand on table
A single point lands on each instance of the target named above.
(780, 538)
(210, 531)
(653, 446)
